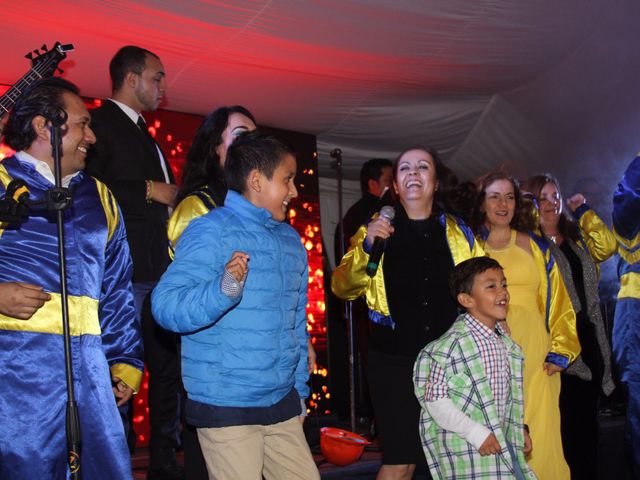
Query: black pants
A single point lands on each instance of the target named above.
(163, 364)
(579, 425)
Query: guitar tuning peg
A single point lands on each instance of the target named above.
(44, 47)
(29, 56)
(37, 52)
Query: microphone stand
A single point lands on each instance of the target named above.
(348, 306)
(61, 200)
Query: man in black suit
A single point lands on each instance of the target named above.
(129, 161)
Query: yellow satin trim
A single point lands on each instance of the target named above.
(128, 374)
(625, 246)
(189, 208)
(561, 317)
(350, 280)
(628, 243)
(629, 285)
(458, 243)
(83, 317)
(5, 178)
(109, 205)
(600, 241)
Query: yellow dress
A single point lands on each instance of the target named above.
(541, 392)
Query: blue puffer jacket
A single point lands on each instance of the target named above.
(247, 351)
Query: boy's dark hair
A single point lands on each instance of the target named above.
(43, 97)
(127, 59)
(372, 170)
(463, 275)
(253, 151)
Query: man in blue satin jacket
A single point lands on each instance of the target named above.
(106, 346)
(626, 327)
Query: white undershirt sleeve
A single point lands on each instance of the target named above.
(449, 417)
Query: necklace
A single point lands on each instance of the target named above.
(553, 238)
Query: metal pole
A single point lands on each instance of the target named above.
(73, 420)
(348, 306)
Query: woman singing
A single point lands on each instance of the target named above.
(408, 297)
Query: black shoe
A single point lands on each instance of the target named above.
(172, 471)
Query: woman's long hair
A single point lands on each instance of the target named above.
(566, 227)
(203, 162)
(524, 218)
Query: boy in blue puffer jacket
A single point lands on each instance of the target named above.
(237, 291)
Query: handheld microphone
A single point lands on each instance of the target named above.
(18, 191)
(14, 205)
(379, 243)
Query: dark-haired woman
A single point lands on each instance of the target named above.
(540, 317)
(577, 249)
(408, 298)
(203, 186)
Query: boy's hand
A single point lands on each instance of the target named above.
(311, 361)
(490, 446)
(238, 266)
(121, 390)
(21, 300)
(551, 368)
(528, 444)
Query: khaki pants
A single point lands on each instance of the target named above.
(247, 452)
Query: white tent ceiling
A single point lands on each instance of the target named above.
(544, 84)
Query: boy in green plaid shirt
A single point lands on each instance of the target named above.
(469, 385)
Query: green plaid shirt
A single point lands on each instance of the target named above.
(448, 454)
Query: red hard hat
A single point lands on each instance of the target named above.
(341, 447)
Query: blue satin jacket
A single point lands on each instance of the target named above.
(626, 225)
(106, 337)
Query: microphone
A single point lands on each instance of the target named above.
(379, 243)
(17, 191)
(14, 205)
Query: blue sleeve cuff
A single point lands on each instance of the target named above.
(557, 359)
(366, 246)
(581, 210)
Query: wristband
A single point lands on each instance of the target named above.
(149, 192)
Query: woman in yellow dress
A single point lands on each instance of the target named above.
(540, 317)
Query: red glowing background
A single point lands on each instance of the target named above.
(174, 131)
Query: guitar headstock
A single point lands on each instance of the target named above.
(46, 62)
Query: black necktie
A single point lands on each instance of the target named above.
(145, 131)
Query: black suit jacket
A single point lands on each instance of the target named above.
(123, 159)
